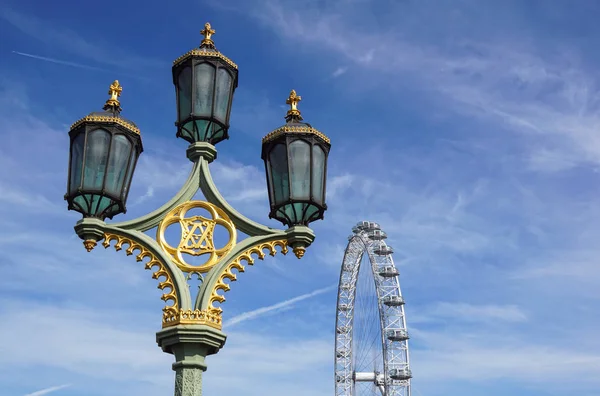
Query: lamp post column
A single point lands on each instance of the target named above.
(190, 344)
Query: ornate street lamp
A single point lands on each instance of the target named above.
(103, 154)
(104, 150)
(295, 156)
(204, 81)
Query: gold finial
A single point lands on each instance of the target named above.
(89, 244)
(299, 251)
(114, 91)
(207, 33)
(293, 100)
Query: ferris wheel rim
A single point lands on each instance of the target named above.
(345, 315)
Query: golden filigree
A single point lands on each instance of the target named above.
(193, 317)
(197, 235)
(205, 53)
(114, 91)
(207, 33)
(293, 100)
(161, 271)
(237, 265)
(294, 129)
(116, 120)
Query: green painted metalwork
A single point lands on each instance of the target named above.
(242, 223)
(151, 220)
(191, 343)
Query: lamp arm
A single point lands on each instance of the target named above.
(151, 220)
(214, 280)
(212, 194)
(143, 247)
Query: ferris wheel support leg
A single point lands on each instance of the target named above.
(190, 344)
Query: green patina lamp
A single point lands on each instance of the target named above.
(295, 157)
(104, 151)
(204, 82)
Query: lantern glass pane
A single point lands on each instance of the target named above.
(129, 176)
(76, 162)
(80, 203)
(300, 169)
(269, 183)
(96, 156)
(100, 204)
(117, 165)
(310, 213)
(184, 89)
(204, 74)
(318, 175)
(279, 172)
(204, 130)
(223, 93)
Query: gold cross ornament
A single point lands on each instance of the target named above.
(293, 100)
(114, 91)
(207, 33)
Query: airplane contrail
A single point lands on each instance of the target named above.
(48, 390)
(275, 307)
(58, 61)
(78, 65)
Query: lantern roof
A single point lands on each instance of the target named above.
(294, 122)
(207, 49)
(111, 113)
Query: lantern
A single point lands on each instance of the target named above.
(104, 151)
(295, 157)
(204, 82)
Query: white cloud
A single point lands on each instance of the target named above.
(339, 71)
(478, 357)
(504, 81)
(455, 312)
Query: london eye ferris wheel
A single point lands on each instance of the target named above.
(371, 339)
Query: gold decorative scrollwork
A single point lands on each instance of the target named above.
(193, 317)
(197, 235)
(161, 271)
(237, 264)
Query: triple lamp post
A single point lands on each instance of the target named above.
(104, 149)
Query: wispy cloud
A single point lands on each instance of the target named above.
(455, 312)
(283, 305)
(48, 390)
(509, 80)
(339, 71)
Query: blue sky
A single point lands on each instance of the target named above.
(469, 130)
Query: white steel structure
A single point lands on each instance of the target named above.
(371, 340)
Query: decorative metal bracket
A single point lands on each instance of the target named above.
(170, 268)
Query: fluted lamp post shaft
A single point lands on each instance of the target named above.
(104, 149)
